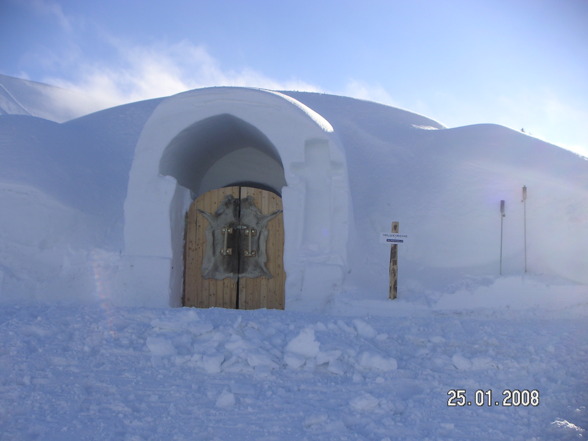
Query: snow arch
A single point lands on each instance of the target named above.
(219, 151)
(209, 138)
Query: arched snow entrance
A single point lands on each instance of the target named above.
(210, 138)
(219, 151)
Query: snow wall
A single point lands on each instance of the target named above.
(210, 138)
(444, 186)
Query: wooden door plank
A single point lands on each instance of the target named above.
(249, 288)
(201, 292)
(276, 297)
(264, 292)
(190, 276)
(224, 290)
(203, 203)
(264, 285)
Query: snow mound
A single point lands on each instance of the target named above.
(22, 97)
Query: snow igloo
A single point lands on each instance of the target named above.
(249, 198)
(219, 143)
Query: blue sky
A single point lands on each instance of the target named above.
(519, 63)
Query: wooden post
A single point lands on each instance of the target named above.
(525, 222)
(502, 215)
(393, 292)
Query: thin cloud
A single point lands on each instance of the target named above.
(370, 92)
(51, 9)
(144, 72)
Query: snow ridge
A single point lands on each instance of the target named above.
(316, 117)
(9, 105)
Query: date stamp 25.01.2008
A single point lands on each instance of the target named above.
(481, 397)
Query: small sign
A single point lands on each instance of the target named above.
(393, 238)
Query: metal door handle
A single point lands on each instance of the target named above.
(250, 232)
(224, 250)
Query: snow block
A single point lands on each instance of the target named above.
(370, 360)
(142, 281)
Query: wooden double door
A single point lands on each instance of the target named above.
(234, 250)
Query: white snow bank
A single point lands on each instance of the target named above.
(525, 293)
(45, 248)
(518, 292)
(22, 97)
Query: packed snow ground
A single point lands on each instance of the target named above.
(98, 372)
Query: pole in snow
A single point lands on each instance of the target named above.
(525, 222)
(393, 289)
(502, 215)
